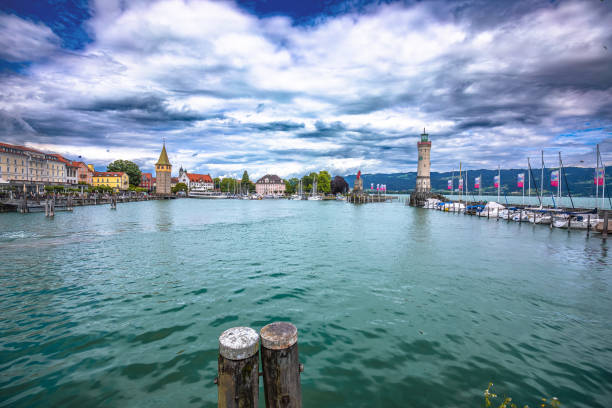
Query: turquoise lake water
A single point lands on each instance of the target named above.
(395, 306)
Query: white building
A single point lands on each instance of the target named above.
(196, 182)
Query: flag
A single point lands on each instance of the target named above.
(554, 178)
(599, 177)
(371, 186)
(378, 187)
(460, 184)
(384, 187)
(477, 182)
(496, 181)
(450, 184)
(520, 182)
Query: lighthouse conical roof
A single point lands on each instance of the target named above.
(163, 157)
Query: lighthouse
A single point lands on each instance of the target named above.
(423, 180)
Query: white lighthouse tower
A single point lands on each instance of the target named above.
(423, 180)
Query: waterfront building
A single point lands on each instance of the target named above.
(163, 171)
(423, 180)
(84, 173)
(71, 169)
(26, 166)
(146, 181)
(270, 184)
(117, 180)
(196, 182)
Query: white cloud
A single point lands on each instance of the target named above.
(22, 40)
(234, 91)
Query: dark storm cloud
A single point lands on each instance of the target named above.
(347, 86)
(280, 126)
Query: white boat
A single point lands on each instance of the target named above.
(491, 209)
(298, 196)
(431, 203)
(315, 196)
(522, 216)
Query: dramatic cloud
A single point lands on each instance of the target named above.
(492, 82)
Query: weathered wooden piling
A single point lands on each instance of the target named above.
(238, 379)
(281, 366)
(588, 225)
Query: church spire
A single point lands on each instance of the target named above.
(163, 157)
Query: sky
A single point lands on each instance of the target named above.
(289, 87)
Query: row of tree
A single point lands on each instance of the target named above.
(325, 184)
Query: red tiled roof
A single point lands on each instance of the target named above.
(174, 179)
(199, 178)
(149, 175)
(21, 148)
(64, 160)
(108, 174)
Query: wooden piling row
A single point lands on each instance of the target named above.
(238, 367)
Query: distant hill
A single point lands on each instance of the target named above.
(580, 180)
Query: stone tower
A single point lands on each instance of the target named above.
(163, 171)
(423, 180)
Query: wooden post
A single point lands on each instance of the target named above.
(588, 225)
(281, 366)
(569, 222)
(488, 210)
(604, 231)
(238, 380)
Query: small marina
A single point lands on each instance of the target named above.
(138, 297)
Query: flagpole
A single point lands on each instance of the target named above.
(597, 176)
(479, 183)
(542, 181)
(523, 183)
(603, 181)
(498, 182)
(529, 178)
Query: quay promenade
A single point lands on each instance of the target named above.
(67, 203)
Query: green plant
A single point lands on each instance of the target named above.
(507, 402)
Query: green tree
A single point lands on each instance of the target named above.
(217, 182)
(128, 167)
(229, 184)
(324, 182)
(307, 182)
(245, 178)
(179, 187)
(291, 185)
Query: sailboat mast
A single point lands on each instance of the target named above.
(560, 187)
(460, 182)
(569, 192)
(542, 177)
